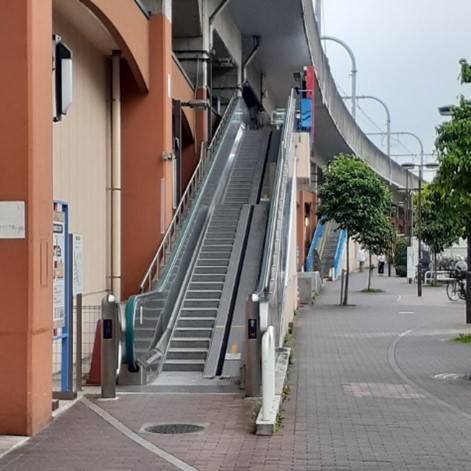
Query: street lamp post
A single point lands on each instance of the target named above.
(354, 69)
(419, 228)
(388, 127)
(410, 166)
(409, 211)
(419, 208)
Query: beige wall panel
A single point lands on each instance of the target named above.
(81, 154)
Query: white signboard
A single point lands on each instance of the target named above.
(411, 263)
(58, 273)
(12, 220)
(77, 245)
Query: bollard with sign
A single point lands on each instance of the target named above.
(252, 348)
(109, 346)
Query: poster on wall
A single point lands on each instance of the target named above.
(12, 220)
(58, 250)
(77, 244)
(411, 265)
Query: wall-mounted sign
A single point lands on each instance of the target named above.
(59, 265)
(12, 220)
(77, 246)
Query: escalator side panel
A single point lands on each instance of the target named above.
(247, 285)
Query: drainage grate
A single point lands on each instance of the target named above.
(174, 428)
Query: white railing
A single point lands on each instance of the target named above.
(268, 373)
(442, 275)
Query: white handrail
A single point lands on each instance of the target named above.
(442, 275)
(268, 372)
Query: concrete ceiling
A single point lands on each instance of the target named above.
(283, 43)
(186, 19)
(288, 41)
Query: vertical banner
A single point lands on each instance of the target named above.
(61, 314)
(310, 93)
(411, 265)
(59, 235)
(77, 269)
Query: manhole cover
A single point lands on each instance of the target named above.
(174, 428)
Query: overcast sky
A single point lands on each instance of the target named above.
(407, 54)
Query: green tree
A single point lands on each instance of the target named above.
(400, 256)
(453, 145)
(354, 196)
(378, 239)
(439, 227)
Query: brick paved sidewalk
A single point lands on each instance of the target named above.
(364, 396)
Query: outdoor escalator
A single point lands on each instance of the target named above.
(184, 323)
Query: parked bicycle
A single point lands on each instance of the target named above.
(456, 287)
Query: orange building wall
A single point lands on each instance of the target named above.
(146, 134)
(182, 90)
(129, 28)
(26, 175)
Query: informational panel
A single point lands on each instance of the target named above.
(59, 266)
(12, 220)
(77, 245)
(411, 264)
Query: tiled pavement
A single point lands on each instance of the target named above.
(365, 396)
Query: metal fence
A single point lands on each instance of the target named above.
(86, 332)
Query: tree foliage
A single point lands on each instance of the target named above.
(378, 240)
(400, 256)
(439, 226)
(453, 178)
(453, 146)
(355, 197)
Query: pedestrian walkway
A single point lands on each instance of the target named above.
(376, 385)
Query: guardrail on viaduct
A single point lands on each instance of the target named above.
(341, 117)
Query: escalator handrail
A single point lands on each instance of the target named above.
(165, 247)
(318, 234)
(274, 217)
(201, 173)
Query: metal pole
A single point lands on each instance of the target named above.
(408, 210)
(388, 127)
(419, 209)
(116, 154)
(252, 347)
(109, 346)
(354, 70)
(78, 356)
(419, 206)
(419, 227)
(70, 355)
